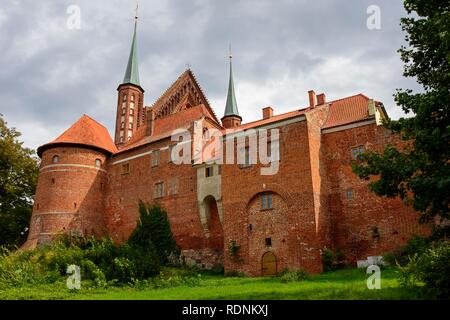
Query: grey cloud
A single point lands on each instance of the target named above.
(51, 75)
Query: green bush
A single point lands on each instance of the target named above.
(294, 275)
(217, 269)
(333, 260)
(153, 231)
(416, 245)
(101, 262)
(430, 268)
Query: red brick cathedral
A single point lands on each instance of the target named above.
(224, 212)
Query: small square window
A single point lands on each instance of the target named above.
(349, 193)
(98, 163)
(208, 172)
(268, 242)
(55, 159)
(357, 151)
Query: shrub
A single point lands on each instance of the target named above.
(333, 260)
(153, 230)
(217, 268)
(416, 245)
(430, 267)
(293, 276)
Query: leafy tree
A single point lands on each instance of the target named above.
(18, 176)
(419, 172)
(153, 231)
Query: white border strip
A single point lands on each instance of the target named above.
(70, 165)
(349, 126)
(133, 157)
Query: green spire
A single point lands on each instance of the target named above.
(132, 72)
(231, 108)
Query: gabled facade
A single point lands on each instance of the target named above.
(224, 212)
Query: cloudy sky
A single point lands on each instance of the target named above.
(51, 74)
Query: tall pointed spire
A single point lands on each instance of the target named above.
(132, 72)
(231, 108)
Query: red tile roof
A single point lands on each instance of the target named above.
(164, 127)
(347, 110)
(86, 131)
(275, 118)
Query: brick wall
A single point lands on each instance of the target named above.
(364, 223)
(69, 194)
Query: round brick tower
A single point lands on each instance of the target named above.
(69, 194)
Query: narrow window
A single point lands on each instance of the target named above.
(126, 168)
(53, 180)
(266, 201)
(132, 97)
(75, 205)
(208, 172)
(219, 170)
(269, 201)
(159, 190)
(55, 159)
(155, 158)
(98, 163)
(268, 242)
(124, 98)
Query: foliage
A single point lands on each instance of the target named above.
(218, 268)
(294, 276)
(432, 268)
(233, 249)
(341, 284)
(18, 176)
(333, 260)
(153, 233)
(416, 245)
(419, 172)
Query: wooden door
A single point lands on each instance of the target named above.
(269, 264)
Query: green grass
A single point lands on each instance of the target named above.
(341, 284)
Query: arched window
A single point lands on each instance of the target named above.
(55, 159)
(132, 97)
(124, 98)
(98, 163)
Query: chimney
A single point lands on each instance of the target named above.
(267, 112)
(150, 117)
(321, 99)
(312, 98)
